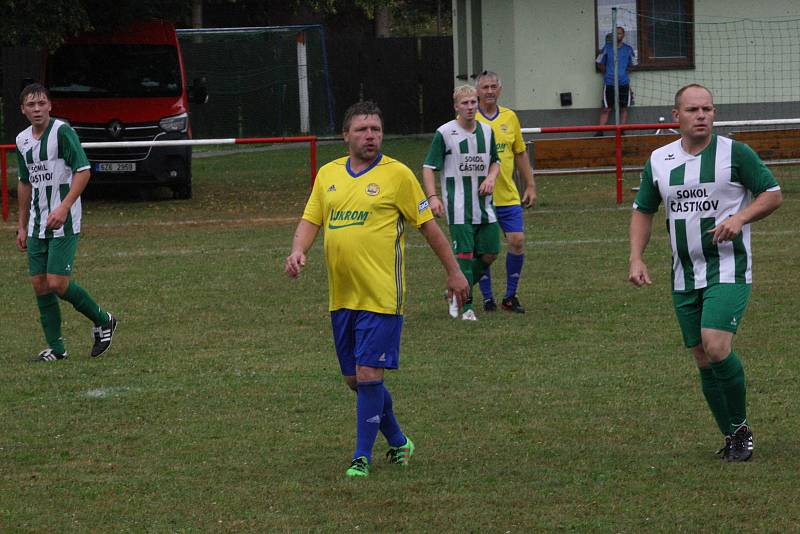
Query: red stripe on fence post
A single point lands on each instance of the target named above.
(618, 156)
(4, 179)
(313, 160)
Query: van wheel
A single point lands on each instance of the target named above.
(182, 191)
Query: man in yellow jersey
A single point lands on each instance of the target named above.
(363, 202)
(513, 152)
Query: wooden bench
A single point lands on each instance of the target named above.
(597, 154)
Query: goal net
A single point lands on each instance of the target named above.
(751, 66)
(269, 81)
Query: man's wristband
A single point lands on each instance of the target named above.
(433, 195)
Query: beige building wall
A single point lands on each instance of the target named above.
(542, 48)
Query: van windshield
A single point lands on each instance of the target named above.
(107, 71)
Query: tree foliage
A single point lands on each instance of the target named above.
(47, 23)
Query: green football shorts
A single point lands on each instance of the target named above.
(52, 255)
(719, 306)
(475, 238)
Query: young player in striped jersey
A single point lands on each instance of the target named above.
(465, 154)
(513, 153)
(363, 202)
(53, 172)
(712, 188)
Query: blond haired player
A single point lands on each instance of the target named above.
(464, 152)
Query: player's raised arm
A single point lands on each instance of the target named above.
(304, 237)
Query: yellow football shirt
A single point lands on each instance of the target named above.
(508, 138)
(363, 217)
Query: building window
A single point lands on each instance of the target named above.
(660, 31)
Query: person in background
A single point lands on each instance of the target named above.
(626, 57)
(465, 154)
(513, 153)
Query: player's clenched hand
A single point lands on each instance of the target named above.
(486, 187)
(436, 205)
(457, 285)
(22, 240)
(529, 197)
(294, 263)
(57, 218)
(638, 275)
(726, 230)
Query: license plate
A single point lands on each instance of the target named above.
(121, 166)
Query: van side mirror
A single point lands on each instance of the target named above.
(198, 92)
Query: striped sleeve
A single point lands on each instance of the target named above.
(70, 149)
(648, 198)
(24, 175)
(750, 170)
(435, 157)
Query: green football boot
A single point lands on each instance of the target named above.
(359, 467)
(401, 455)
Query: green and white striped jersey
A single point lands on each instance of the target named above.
(463, 159)
(698, 192)
(48, 164)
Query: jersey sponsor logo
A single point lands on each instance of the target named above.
(345, 218)
(423, 205)
(453, 132)
(669, 157)
(373, 189)
(472, 164)
(683, 201)
(331, 189)
(39, 173)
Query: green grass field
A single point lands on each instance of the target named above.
(220, 407)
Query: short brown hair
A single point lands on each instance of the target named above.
(33, 89)
(366, 107)
(685, 87)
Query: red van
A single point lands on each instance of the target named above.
(128, 85)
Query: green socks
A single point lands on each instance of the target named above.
(466, 267)
(84, 303)
(729, 374)
(715, 399)
(50, 316)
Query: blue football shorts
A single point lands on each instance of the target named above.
(366, 338)
(510, 218)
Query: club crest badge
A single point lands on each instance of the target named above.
(373, 189)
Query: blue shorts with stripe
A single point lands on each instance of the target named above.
(510, 218)
(367, 339)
